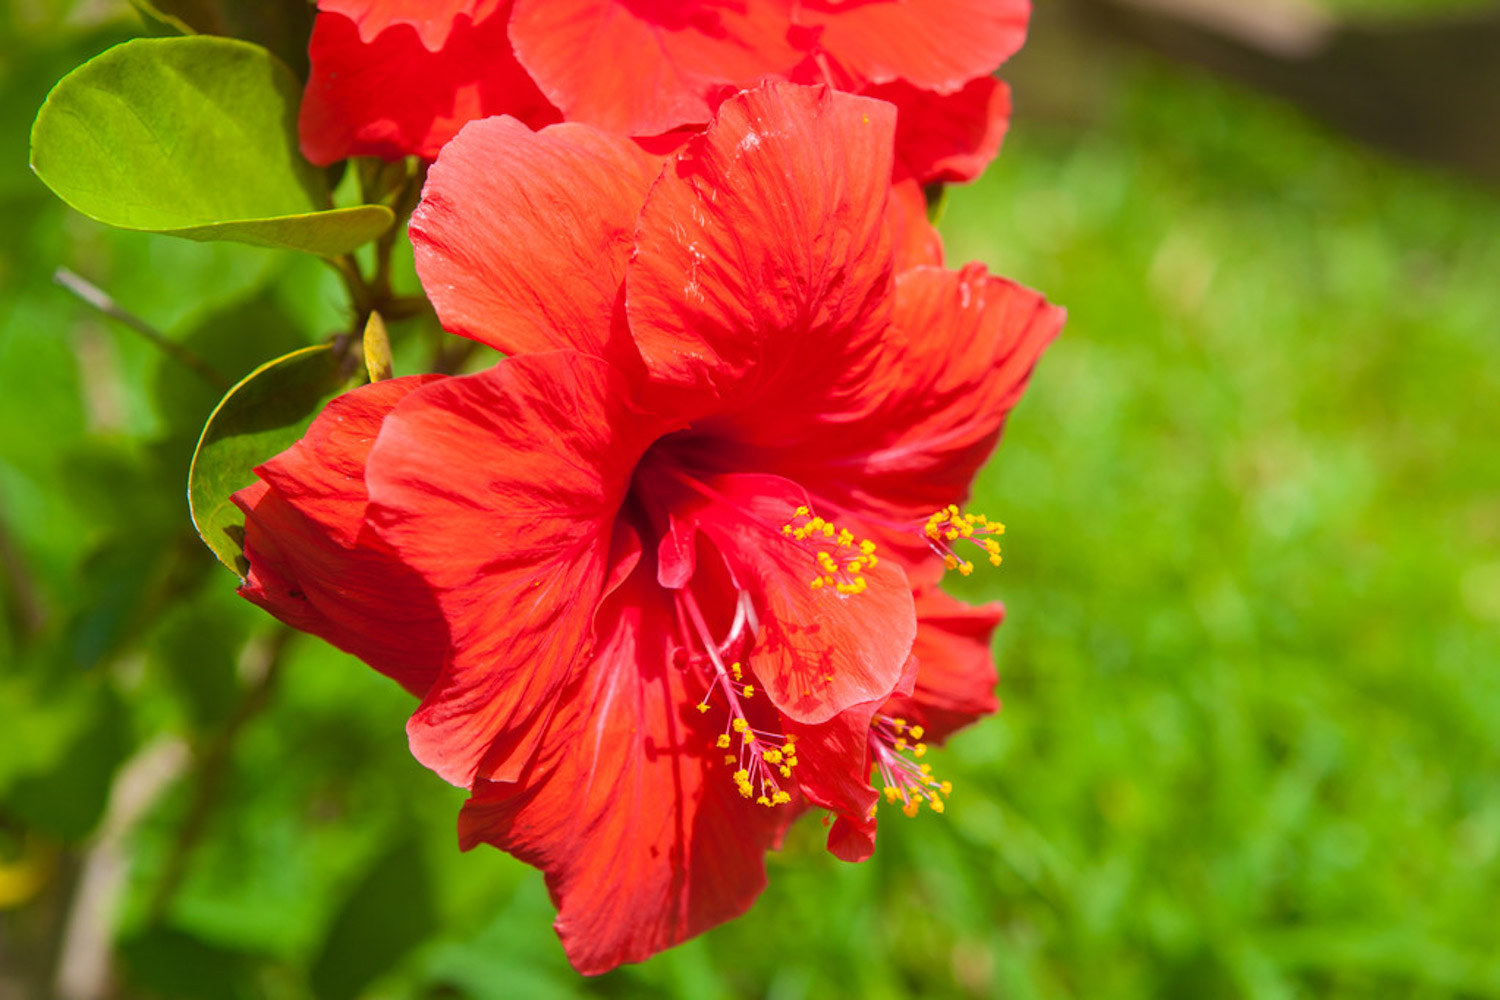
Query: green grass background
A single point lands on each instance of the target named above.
(1251, 672)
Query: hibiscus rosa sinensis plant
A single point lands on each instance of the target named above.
(666, 576)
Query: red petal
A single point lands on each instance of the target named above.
(389, 96)
(915, 240)
(431, 18)
(627, 809)
(834, 772)
(819, 652)
(502, 490)
(766, 240)
(959, 354)
(643, 67)
(521, 237)
(934, 44)
(313, 561)
(956, 677)
(947, 138)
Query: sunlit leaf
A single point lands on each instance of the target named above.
(260, 417)
(194, 137)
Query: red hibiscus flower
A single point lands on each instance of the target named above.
(397, 77)
(651, 575)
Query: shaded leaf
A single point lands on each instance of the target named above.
(193, 137)
(167, 962)
(261, 417)
(283, 26)
(387, 914)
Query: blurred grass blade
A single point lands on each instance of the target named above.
(194, 137)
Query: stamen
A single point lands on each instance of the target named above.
(840, 558)
(950, 525)
(762, 758)
(903, 779)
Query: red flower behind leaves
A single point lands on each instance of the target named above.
(653, 574)
(397, 77)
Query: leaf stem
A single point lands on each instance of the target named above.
(95, 296)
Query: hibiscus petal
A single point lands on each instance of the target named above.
(432, 19)
(763, 260)
(819, 652)
(915, 241)
(313, 562)
(502, 490)
(521, 237)
(955, 683)
(934, 44)
(947, 138)
(643, 68)
(628, 809)
(388, 95)
(834, 771)
(961, 349)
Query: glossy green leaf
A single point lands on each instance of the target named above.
(261, 417)
(194, 137)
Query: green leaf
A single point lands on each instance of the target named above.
(283, 26)
(388, 913)
(260, 418)
(194, 137)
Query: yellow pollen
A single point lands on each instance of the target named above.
(749, 690)
(916, 732)
(844, 577)
(740, 726)
(948, 526)
(723, 742)
(702, 706)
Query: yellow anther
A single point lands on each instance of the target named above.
(898, 724)
(740, 726)
(786, 772)
(965, 568)
(911, 807)
(802, 512)
(749, 690)
(724, 742)
(736, 669)
(741, 775)
(817, 583)
(703, 706)
(946, 787)
(936, 804)
(916, 732)
(782, 798)
(950, 561)
(846, 537)
(772, 756)
(763, 801)
(919, 751)
(867, 547)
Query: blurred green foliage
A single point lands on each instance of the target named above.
(1251, 670)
